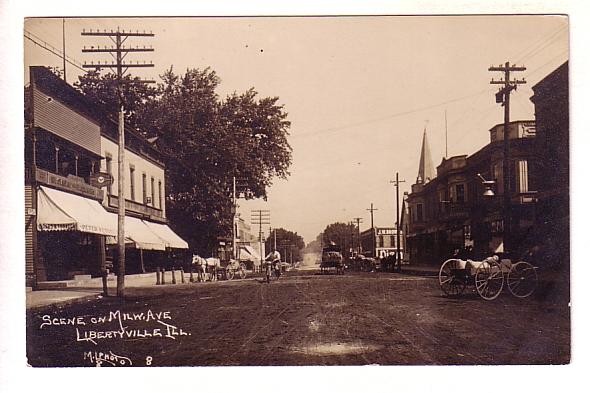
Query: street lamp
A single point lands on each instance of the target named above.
(488, 184)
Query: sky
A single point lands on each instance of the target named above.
(360, 91)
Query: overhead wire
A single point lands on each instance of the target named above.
(50, 48)
(387, 117)
(539, 45)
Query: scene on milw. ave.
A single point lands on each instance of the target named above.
(278, 191)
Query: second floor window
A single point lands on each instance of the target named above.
(160, 194)
(419, 212)
(144, 186)
(523, 175)
(109, 169)
(153, 193)
(460, 193)
(132, 181)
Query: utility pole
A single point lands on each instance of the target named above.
(119, 52)
(446, 137)
(63, 45)
(398, 261)
(372, 210)
(260, 218)
(373, 234)
(358, 228)
(503, 98)
(233, 226)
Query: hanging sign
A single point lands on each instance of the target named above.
(101, 179)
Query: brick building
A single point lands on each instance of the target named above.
(448, 211)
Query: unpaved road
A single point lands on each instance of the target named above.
(302, 319)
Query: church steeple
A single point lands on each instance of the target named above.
(426, 169)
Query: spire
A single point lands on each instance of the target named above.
(426, 169)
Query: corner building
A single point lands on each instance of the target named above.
(448, 211)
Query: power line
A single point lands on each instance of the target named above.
(544, 42)
(399, 114)
(536, 70)
(50, 48)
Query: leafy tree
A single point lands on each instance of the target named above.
(288, 243)
(102, 89)
(206, 141)
(343, 235)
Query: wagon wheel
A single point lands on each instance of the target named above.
(451, 282)
(489, 280)
(229, 272)
(242, 271)
(522, 279)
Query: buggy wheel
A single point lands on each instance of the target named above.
(229, 273)
(522, 279)
(489, 280)
(451, 279)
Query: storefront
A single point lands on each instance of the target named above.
(148, 245)
(71, 231)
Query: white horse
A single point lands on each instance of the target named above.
(206, 268)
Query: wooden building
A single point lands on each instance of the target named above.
(70, 213)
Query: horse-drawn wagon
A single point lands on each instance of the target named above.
(211, 269)
(332, 260)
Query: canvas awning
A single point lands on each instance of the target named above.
(167, 235)
(62, 211)
(140, 233)
(248, 253)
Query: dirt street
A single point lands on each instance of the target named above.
(302, 319)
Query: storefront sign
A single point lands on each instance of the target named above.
(101, 179)
(385, 231)
(68, 184)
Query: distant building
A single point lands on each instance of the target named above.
(448, 211)
(380, 242)
(249, 249)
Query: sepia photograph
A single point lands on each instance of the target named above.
(264, 191)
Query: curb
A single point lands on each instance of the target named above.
(66, 302)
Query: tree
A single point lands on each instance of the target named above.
(102, 89)
(289, 244)
(343, 235)
(206, 142)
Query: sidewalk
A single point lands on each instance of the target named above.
(82, 290)
(91, 289)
